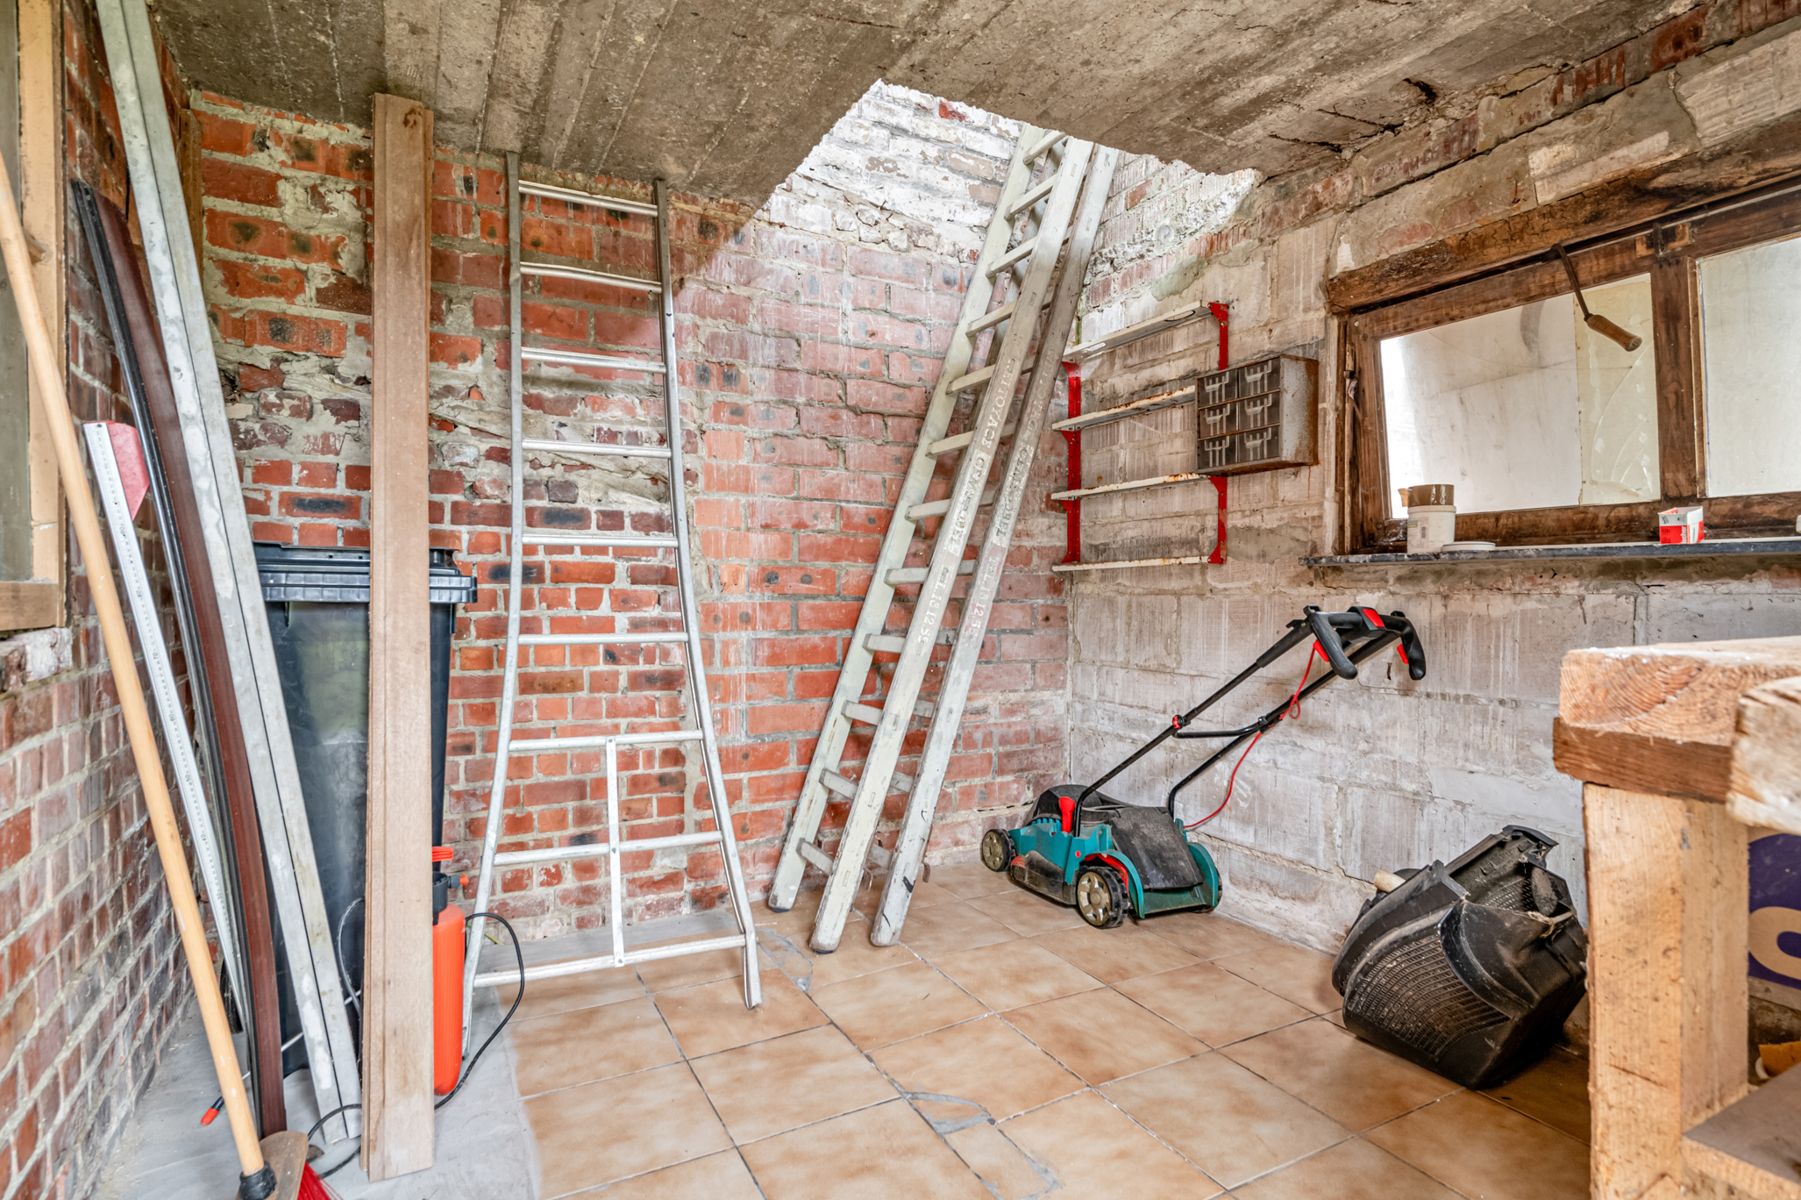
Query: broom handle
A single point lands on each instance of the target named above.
(49, 393)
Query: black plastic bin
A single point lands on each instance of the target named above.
(318, 605)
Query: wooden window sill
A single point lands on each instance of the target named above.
(1711, 548)
(30, 604)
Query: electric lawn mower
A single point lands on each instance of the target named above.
(1107, 857)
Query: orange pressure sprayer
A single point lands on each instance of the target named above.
(446, 980)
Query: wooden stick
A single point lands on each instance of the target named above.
(49, 393)
(397, 916)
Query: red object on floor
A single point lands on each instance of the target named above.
(313, 1188)
(447, 999)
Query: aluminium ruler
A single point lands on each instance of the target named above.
(174, 281)
(700, 732)
(176, 741)
(1041, 191)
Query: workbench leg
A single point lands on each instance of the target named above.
(1667, 896)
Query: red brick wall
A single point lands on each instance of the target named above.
(90, 977)
(809, 334)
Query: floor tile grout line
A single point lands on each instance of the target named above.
(1285, 1090)
(1002, 1016)
(1420, 1167)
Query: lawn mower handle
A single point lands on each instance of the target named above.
(1368, 630)
(1380, 633)
(1325, 626)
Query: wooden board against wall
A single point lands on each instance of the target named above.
(397, 1015)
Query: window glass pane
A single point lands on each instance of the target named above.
(1528, 407)
(1751, 357)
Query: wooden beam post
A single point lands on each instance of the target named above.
(1652, 732)
(1667, 890)
(1765, 783)
(397, 1014)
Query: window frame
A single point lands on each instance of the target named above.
(1668, 250)
(39, 602)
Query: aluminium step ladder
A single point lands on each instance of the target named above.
(700, 732)
(1043, 185)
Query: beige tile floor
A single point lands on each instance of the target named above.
(1007, 1050)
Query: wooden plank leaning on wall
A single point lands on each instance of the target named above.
(1653, 732)
(397, 1016)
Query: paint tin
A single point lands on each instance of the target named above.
(1431, 517)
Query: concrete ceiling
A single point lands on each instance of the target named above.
(725, 97)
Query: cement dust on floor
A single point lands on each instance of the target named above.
(1006, 1050)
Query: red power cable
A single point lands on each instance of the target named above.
(1293, 710)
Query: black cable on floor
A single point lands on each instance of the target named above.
(468, 1068)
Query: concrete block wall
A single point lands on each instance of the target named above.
(90, 974)
(1382, 772)
(809, 334)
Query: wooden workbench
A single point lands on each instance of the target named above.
(1680, 748)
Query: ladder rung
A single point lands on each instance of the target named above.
(973, 379)
(930, 508)
(590, 275)
(937, 508)
(1046, 140)
(600, 962)
(590, 742)
(891, 643)
(848, 788)
(580, 358)
(902, 575)
(603, 449)
(551, 191)
(555, 537)
(869, 714)
(518, 858)
(993, 316)
(958, 441)
(600, 639)
(814, 855)
(1021, 251)
(1033, 195)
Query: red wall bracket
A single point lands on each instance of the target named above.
(1220, 314)
(1072, 439)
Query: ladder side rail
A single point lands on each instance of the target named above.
(684, 568)
(853, 675)
(947, 551)
(174, 279)
(509, 688)
(978, 602)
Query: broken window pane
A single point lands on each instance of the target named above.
(1527, 407)
(1751, 357)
